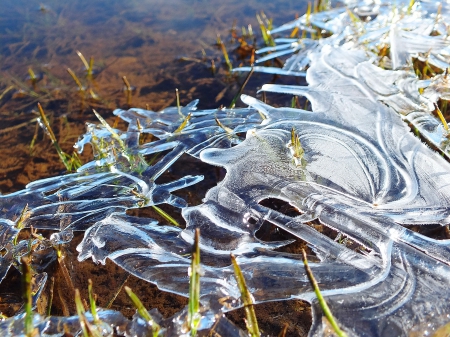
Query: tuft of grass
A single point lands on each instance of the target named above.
(143, 312)
(284, 330)
(80, 313)
(225, 53)
(307, 19)
(194, 315)
(87, 329)
(33, 140)
(110, 130)
(213, 67)
(410, 6)
(247, 299)
(326, 310)
(116, 293)
(265, 25)
(70, 162)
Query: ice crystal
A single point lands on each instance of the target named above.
(351, 163)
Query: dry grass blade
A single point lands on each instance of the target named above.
(128, 89)
(178, 102)
(6, 91)
(75, 78)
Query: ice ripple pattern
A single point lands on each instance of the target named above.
(364, 175)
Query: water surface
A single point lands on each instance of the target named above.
(146, 41)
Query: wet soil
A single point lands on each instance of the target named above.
(159, 46)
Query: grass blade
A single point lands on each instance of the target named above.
(241, 89)
(80, 313)
(46, 126)
(247, 298)
(441, 117)
(166, 216)
(183, 123)
(110, 130)
(194, 316)
(323, 304)
(177, 94)
(92, 303)
(27, 298)
(142, 311)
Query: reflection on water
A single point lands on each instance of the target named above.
(142, 40)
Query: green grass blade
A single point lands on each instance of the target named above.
(80, 313)
(247, 298)
(142, 311)
(27, 298)
(92, 303)
(50, 300)
(323, 304)
(46, 126)
(441, 117)
(194, 316)
(241, 89)
(166, 216)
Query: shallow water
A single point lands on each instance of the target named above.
(142, 40)
(139, 39)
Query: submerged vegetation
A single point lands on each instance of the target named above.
(348, 162)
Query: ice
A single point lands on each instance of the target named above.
(357, 169)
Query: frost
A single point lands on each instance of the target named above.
(358, 169)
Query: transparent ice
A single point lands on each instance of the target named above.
(363, 173)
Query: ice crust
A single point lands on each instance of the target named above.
(363, 174)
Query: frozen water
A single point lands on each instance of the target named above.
(359, 170)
